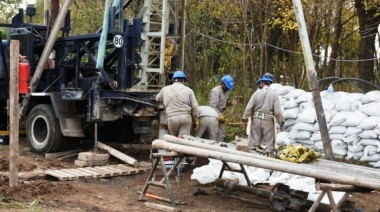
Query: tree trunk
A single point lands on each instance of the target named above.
(54, 11)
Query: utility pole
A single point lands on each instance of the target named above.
(183, 34)
(313, 79)
(13, 113)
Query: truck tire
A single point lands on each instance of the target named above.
(43, 130)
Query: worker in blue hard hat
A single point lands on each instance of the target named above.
(218, 99)
(265, 111)
(181, 106)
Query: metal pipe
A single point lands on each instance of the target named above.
(313, 79)
(103, 36)
(292, 168)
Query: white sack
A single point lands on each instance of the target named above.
(305, 97)
(355, 148)
(304, 126)
(354, 118)
(368, 134)
(371, 109)
(283, 90)
(354, 155)
(337, 130)
(338, 144)
(370, 158)
(337, 137)
(373, 142)
(275, 86)
(370, 150)
(307, 115)
(372, 96)
(294, 94)
(339, 118)
(369, 123)
(291, 113)
(352, 131)
(291, 103)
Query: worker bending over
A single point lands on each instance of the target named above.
(218, 99)
(208, 123)
(264, 110)
(181, 106)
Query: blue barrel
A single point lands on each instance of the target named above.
(4, 43)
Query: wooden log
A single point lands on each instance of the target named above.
(14, 113)
(339, 187)
(119, 155)
(61, 154)
(160, 207)
(235, 186)
(278, 165)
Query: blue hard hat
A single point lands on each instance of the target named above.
(267, 77)
(179, 74)
(228, 81)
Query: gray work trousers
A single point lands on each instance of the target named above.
(221, 132)
(208, 128)
(262, 133)
(179, 124)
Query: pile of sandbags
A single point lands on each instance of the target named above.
(353, 121)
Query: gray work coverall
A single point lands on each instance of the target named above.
(218, 99)
(180, 106)
(263, 106)
(208, 123)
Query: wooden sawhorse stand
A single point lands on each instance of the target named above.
(241, 170)
(158, 158)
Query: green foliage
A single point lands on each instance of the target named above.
(8, 9)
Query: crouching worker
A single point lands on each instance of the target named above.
(208, 123)
(264, 109)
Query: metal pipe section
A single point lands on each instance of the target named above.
(292, 168)
(103, 36)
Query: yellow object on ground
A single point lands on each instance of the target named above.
(297, 154)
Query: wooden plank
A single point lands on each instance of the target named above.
(101, 172)
(76, 175)
(160, 207)
(120, 171)
(119, 155)
(126, 170)
(82, 173)
(111, 172)
(95, 174)
(60, 175)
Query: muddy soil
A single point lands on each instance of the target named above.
(37, 192)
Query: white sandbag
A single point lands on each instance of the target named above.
(296, 182)
(283, 90)
(304, 126)
(291, 103)
(371, 109)
(352, 139)
(275, 86)
(316, 136)
(355, 106)
(368, 134)
(337, 137)
(370, 158)
(371, 142)
(283, 100)
(377, 130)
(291, 113)
(352, 131)
(372, 96)
(354, 119)
(355, 148)
(335, 95)
(206, 174)
(283, 139)
(344, 103)
(290, 122)
(339, 118)
(256, 175)
(302, 135)
(339, 152)
(354, 155)
(338, 144)
(369, 123)
(305, 142)
(370, 150)
(307, 115)
(316, 126)
(305, 97)
(375, 164)
(294, 94)
(318, 145)
(304, 105)
(328, 104)
(337, 129)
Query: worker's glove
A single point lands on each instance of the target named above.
(221, 118)
(245, 123)
(196, 125)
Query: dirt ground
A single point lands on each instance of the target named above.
(37, 192)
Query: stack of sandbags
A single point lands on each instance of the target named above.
(353, 122)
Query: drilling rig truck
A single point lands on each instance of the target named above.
(70, 87)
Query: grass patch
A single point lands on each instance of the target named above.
(35, 205)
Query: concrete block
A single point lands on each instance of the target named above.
(242, 145)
